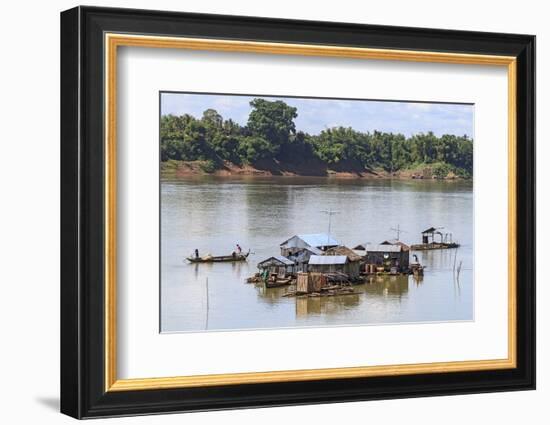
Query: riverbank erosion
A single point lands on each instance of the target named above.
(308, 168)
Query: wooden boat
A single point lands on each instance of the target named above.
(219, 259)
(278, 283)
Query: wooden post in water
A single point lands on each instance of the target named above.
(454, 263)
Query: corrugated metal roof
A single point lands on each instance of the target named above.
(430, 230)
(382, 248)
(284, 260)
(303, 255)
(314, 250)
(318, 239)
(396, 242)
(279, 258)
(314, 240)
(327, 259)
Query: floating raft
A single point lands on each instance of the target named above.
(331, 291)
(434, 245)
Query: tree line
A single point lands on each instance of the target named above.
(271, 134)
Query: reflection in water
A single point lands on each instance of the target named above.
(214, 214)
(326, 306)
(393, 286)
(270, 295)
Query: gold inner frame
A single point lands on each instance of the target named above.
(113, 41)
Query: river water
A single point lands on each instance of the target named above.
(213, 214)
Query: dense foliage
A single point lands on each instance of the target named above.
(270, 134)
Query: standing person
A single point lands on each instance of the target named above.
(239, 249)
(196, 253)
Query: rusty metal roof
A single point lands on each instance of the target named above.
(343, 250)
(382, 248)
(396, 242)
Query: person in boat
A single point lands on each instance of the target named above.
(239, 249)
(196, 253)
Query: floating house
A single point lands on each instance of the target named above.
(387, 255)
(435, 238)
(310, 282)
(301, 257)
(361, 247)
(353, 266)
(297, 243)
(403, 245)
(428, 235)
(277, 265)
(343, 250)
(334, 264)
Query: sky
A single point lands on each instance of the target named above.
(314, 115)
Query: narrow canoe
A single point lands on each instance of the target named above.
(219, 259)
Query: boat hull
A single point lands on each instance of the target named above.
(219, 259)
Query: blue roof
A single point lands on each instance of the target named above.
(318, 239)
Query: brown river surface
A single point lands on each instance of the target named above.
(213, 214)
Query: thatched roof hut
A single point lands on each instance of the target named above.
(344, 250)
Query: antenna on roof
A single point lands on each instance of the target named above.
(330, 213)
(398, 230)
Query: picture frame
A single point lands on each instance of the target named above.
(90, 39)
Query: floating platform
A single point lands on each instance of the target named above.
(434, 245)
(331, 291)
(386, 273)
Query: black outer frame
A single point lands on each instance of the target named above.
(82, 219)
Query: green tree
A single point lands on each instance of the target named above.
(225, 141)
(270, 134)
(273, 122)
(337, 144)
(212, 119)
(254, 148)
